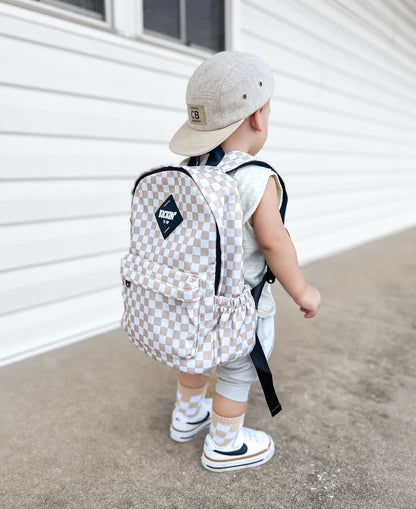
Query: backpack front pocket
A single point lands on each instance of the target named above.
(161, 308)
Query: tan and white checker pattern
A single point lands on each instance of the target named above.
(161, 302)
(171, 311)
(221, 192)
(232, 159)
(188, 400)
(192, 245)
(223, 430)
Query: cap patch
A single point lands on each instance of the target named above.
(196, 114)
(168, 217)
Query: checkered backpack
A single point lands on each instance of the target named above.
(185, 300)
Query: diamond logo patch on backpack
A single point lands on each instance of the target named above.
(168, 217)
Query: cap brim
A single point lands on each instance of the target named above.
(190, 142)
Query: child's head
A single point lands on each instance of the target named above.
(228, 99)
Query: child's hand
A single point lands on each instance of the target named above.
(309, 302)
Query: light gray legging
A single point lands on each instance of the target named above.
(235, 378)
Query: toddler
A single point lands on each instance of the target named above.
(228, 99)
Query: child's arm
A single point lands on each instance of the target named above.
(280, 253)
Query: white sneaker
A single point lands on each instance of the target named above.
(250, 448)
(183, 428)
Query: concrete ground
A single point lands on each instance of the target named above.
(85, 426)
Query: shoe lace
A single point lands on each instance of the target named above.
(251, 434)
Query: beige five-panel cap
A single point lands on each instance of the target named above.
(222, 92)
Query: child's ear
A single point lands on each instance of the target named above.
(255, 120)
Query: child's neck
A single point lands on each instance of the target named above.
(239, 144)
(231, 145)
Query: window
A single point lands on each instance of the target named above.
(95, 8)
(197, 23)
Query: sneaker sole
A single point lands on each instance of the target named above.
(186, 436)
(238, 463)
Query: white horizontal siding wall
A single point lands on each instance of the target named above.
(343, 121)
(83, 112)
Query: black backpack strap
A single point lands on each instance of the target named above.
(215, 156)
(194, 161)
(258, 357)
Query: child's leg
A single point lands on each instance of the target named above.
(191, 391)
(192, 412)
(227, 407)
(230, 400)
(229, 446)
(235, 378)
(193, 381)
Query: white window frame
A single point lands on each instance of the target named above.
(157, 39)
(69, 12)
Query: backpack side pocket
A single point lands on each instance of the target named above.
(236, 325)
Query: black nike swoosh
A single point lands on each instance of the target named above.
(202, 420)
(242, 450)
